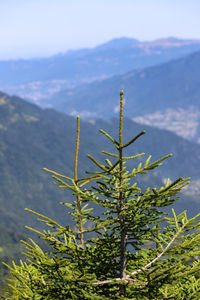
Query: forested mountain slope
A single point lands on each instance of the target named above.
(167, 96)
(32, 138)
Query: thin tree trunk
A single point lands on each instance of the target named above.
(121, 202)
(75, 178)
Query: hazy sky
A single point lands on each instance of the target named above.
(32, 28)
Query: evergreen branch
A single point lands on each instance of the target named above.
(113, 166)
(126, 280)
(162, 253)
(161, 159)
(134, 156)
(63, 183)
(147, 167)
(89, 230)
(121, 119)
(35, 246)
(175, 218)
(111, 154)
(108, 281)
(116, 144)
(88, 179)
(108, 162)
(96, 162)
(134, 139)
(176, 182)
(77, 148)
(80, 221)
(123, 232)
(35, 230)
(124, 157)
(75, 188)
(57, 174)
(99, 174)
(44, 217)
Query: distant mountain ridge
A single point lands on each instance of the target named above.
(167, 96)
(37, 79)
(118, 43)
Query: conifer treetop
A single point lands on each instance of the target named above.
(122, 244)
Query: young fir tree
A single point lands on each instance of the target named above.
(123, 253)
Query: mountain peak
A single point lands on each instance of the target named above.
(118, 43)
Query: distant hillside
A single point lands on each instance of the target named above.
(167, 96)
(32, 138)
(37, 79)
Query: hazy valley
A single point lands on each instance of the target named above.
(166, 96)
(39, 79)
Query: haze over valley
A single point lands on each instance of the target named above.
(41, 78)
(160, 79)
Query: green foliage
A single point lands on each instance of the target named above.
(132, 250)
(22, 184)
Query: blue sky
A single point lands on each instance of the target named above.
(33, 28)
